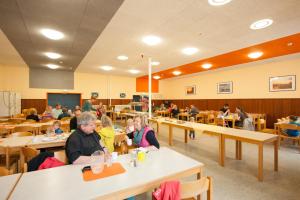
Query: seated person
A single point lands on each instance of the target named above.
(193, 111)
(241, 117)
(33, 115)
(56, 111)
(100, 110)
(48, 113)
(84, 141)
(293, 120)
(56, 127)
(225, 110)
(174, 110)
(129, 126)
(107, 133)
(64, 114)
(73, 121)
(143, 136)
(162, 107)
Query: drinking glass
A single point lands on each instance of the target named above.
(97, 162)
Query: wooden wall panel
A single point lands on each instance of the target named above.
(38, 104)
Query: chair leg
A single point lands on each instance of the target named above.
(209, 191)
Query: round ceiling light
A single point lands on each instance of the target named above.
(156, 77)
(134, 71)
(261, 24)
(52, 34)
(255, 55)
(206, 66)
(190, 50)
(106, 67)
(52, 55)
(52, 66)
(176, 73)
(151, 40)
(122, 57)
(218, 2)
(155, 63)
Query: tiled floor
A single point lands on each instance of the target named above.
(237, 180)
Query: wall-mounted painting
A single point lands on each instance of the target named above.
(282, 83)
(224, 87)
(122, 95)
(190, 90)
(94, 95)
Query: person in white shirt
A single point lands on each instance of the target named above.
(56, 111)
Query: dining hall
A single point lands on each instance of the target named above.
(149, 99)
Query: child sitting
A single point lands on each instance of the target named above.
(56, 128)
(129, 126)
(107, 133)
(293, 120)
(192, 132)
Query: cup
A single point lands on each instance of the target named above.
(141, 156)
(97, 162)
(129, 142)
(114, 155)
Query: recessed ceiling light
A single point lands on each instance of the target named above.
(151, 40)
(52, 34)
(134, 71)
(155, 63)
(290, 44)
(52, 66)
(255, 55)
(206, 66)
(106, 67)
(261, 24)
(122, 57)
(218, 2)
(156, 77)
(176, 73)
(52, 55)
(190, 50)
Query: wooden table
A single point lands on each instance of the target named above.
(7, 185)
(163, 113)
(224, 133)
(184, 115)
(66, 182)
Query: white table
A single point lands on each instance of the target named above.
(7, 184)
(67, 183)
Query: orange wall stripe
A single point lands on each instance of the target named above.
(142, 85)
(271, 49)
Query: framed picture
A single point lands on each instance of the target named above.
(190, 90)
(224, 87)
(282, 83)
(94, 95)
(122, 95)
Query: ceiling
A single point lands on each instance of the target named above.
(214, 30)
(81, 21)
(97, 32)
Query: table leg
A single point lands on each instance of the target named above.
(199, 174)
(260, 162)
(170, 135)
(221, 150)
(157, 127)
(238, 150)
(185, 135)
(276, 154)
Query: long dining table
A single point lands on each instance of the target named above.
(67, 182)
(223, 133)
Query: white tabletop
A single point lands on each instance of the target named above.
(15, 141)
(67, 183)
(6, 185)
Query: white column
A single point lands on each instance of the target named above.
(150, 86)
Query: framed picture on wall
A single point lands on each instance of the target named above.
(94, 95)
(122, 95)
(190, 90)
(282, 83)
(224, 87)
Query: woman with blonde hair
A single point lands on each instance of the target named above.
(107, 133)
(33, 115)
(143, 136)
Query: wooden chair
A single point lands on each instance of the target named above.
(21, 134)
(221, 122)
(65, 128)
(200, 118)
(189, 190)
(46, 120)
(5, 172)
(65, 119)
(28, 153)
(16, 121)
(11, 157)
(61, 156)
(43, 129)
(24, 129)
(262, 127)
(211, 119)
(29, 121)
(283, 135)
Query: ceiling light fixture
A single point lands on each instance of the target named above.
(176, 73)
(261, 24)
(255, 55)
(190, 50)
(134, 71)
(122, 57)
(155, 63)
(151, 40)
(106, 67)
(206, 66)
(218, 2)
(156, 77)
(52, 34)
(52, 66)
(52, 55)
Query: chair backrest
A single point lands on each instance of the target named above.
(16, 121)
(65, 118)
(195, 188)
(24, 129)
(61, 156)
(21, 134)
(29, 121)
(46, 120)
(4, 171)
(65, 128)
(285, 126)
(28, 153)
(43, 129)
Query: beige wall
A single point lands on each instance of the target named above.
(249, 81)
(17, 79)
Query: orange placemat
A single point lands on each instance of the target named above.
(116, 168)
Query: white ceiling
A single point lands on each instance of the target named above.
(182, 23)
